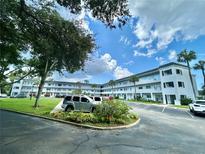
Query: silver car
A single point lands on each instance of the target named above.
(78, 103)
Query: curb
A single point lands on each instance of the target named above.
(75, 124)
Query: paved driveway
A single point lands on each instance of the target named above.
(171, 131)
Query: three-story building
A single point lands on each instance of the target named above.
(168, 83)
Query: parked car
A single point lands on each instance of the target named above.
(3, 95)
(197, 106)
(59, 96)
(78, 103)
(97, 99)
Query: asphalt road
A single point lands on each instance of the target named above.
(162, 130)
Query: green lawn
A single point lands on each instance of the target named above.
(26, 105)
(181, 106)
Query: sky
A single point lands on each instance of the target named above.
(155, 34)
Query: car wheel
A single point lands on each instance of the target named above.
(191, 110)
(69, 109)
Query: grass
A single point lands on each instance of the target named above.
(26, 105)
(181, 106)
(46, 105)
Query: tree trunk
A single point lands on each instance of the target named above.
(135, 91)
(203, 75)
(40, 88)
(192, 84)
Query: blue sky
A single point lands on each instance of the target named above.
(155, 34)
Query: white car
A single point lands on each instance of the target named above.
(197, 106)
(97, 99)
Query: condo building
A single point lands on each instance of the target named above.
(168, 83)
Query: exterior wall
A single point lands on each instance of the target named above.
(150, 86)
(176, 90)
(53, 88)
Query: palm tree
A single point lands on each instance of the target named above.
(200, 66)
(111, 83)
(79, 86)
(94, 86)
(186, 57)
(134, 79)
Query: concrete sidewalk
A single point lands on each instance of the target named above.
(58, 107)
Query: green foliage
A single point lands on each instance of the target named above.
(201, 66)
(77, 91)
(186, 56)
(186, 101)
(106, 11)
(111, 110)
(80, 117)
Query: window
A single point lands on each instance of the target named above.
(59, 84)
(83, 99)
(16, 87)
(140, 87)
(181, 84)
(97, 99)
(182, 96)
(68, 98)
(148, 87)
(167, 72)
(168, 84)
(76, 98)
(178, 71)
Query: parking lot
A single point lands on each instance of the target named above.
(161, 130)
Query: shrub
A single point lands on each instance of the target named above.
(80, 117)
(58, 115)
(111, 109)
(186, 101)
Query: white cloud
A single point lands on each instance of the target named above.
(172, 55)
(162, 21)
(131, 62)
(97, 65)
(124, 40)
(94, 66)
(120, 72)
(148, 53)
(161, 60)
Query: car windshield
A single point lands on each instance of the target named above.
(200, 102)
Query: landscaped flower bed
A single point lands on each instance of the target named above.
(109, 113)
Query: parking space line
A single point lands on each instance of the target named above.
(189, 114)
(163, 109)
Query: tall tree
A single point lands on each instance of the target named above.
(186, 57)
(201, 66)
(134, 79)
(65, 47)
(52, 39)
(112, 84)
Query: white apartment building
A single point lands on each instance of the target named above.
(168, 83)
